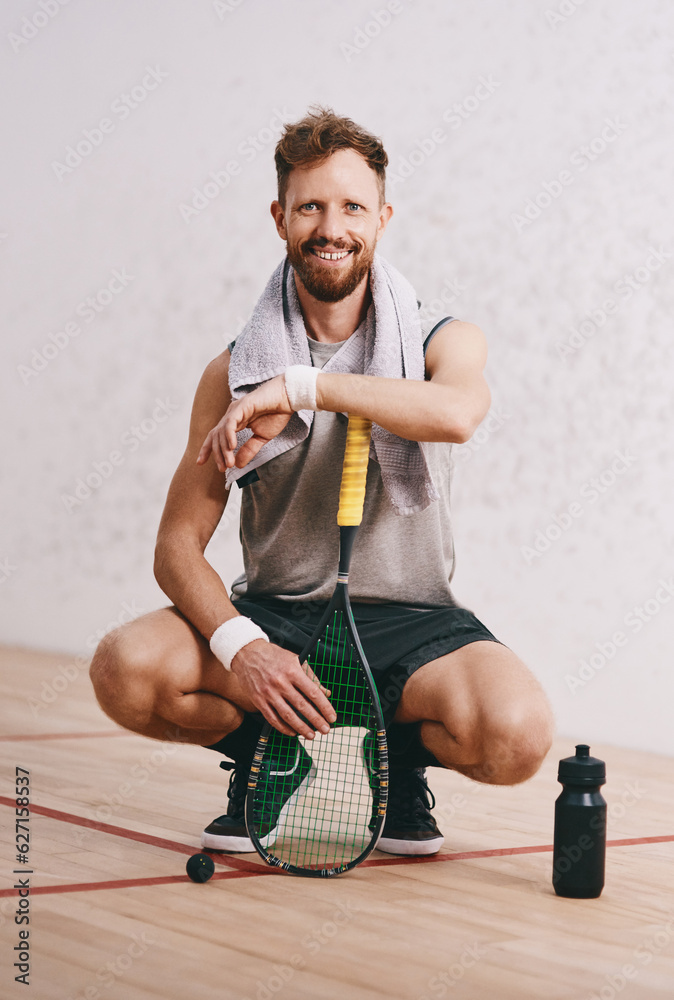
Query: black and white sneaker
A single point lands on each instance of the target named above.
(229, 832)
(279, 786)
(409, 827)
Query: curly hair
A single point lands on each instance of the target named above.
(313, 139)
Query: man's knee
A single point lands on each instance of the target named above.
(121, 667)
(514, 746)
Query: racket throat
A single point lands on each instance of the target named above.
(347, 535)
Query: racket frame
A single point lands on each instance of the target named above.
(352, 495)
(338, 602)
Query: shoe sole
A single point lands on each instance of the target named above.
(244, 845)
(410, 847)
(235, 845)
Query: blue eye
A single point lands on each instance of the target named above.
(352, 204)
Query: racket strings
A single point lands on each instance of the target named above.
(328, 786)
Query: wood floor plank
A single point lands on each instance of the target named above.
(479, 928)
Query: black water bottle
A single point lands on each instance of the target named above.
(580, 827)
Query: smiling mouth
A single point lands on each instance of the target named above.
(335, 255)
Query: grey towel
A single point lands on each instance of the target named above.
(390, 347)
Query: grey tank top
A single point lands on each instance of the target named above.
(290, 536)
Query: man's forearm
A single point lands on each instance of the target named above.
(416, 410)
(190, 582)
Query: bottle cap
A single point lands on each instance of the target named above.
(582, 769)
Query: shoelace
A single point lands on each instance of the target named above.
(236, 791)
(411, 799)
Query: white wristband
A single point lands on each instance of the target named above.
(232, 636)
(301, 387)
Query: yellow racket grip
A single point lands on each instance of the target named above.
(354, 471)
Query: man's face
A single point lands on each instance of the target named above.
(332, 209)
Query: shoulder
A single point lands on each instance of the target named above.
(457, 329)
(457, 343)
(216, 371)
(213, 393)
(219, 366)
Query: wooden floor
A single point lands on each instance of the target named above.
(114, 917)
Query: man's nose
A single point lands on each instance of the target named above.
(330, 225)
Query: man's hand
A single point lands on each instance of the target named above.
(266, 410)
(280, 688)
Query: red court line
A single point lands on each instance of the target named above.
(120, 831)
(639, 840)
(252, 870)
(248, 869)
(132, 883)
(497, 852)
(500, 852)
(28, 738)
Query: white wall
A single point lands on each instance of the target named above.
(225, 72)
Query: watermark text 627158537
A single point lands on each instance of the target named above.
(21, 950)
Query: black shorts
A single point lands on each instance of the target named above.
(397, 639)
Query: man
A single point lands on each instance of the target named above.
(336, 331)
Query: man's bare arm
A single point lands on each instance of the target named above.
(195, 503)
(447, 407)
(271, 677)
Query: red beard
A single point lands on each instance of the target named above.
(330, 284)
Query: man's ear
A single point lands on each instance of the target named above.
(279, 217)
(384, 215)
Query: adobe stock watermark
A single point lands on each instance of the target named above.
(493, 422)
(440, 984)
(115, 968)
(565, 10)
(446, 811)
(450, 292)
(625, 287)
(130, 441)
(454, 116)
(7, 569)
(87, 310)
(121, 108)
(635, 620)
(312, 944)
(366, 33)
(218, 180)
(33, 24)
(580, 159)
(139, 774)
(591, 491)
(69, 673)
(238, 325)
(224, 7)
(643, 954)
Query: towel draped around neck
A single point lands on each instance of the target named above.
(389, 345)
